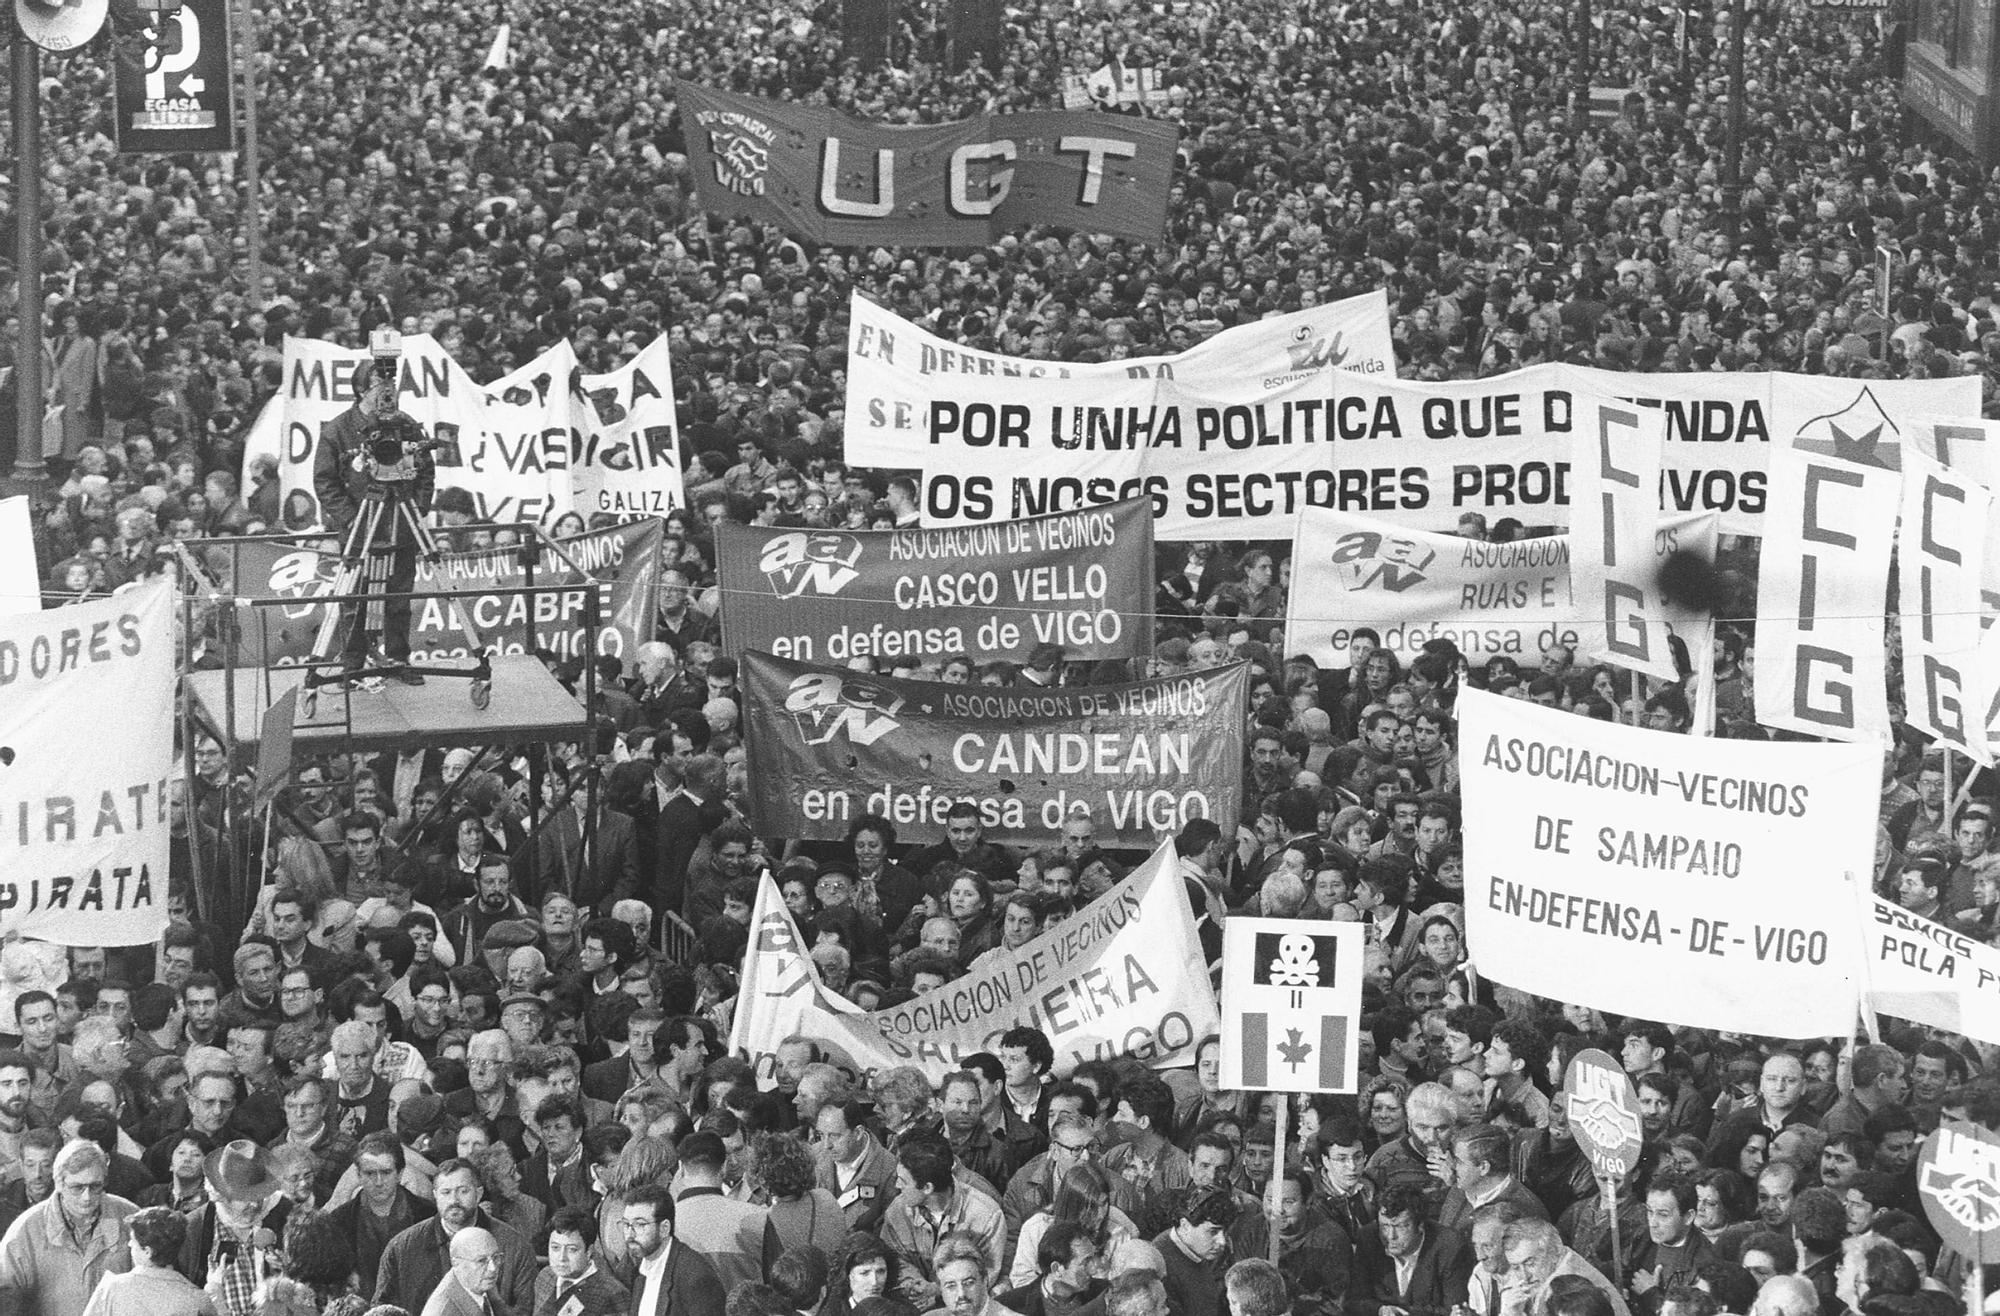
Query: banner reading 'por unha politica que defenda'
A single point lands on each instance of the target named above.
(828, 745)
(1237, 452)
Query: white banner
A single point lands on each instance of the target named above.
(1921, 970)
(1235, 451)
(1822, 588)
(1972, 449)
(632, 461)
(20, 576)
(84, 845)
(1412, 587)
(1123, 976)
(1614, 516)
(1691, 880)
(1947, 690)
(543, 440)
(896, 369)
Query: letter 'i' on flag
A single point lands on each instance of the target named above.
(1295, 1051)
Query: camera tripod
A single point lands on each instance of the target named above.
(384, 506)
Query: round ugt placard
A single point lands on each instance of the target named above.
(1603, 1113)
(1958, 1178)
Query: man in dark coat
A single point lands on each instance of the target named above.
(346, 478)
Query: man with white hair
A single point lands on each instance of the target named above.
(475, 1269)
(57, 1250)
(526, 967)
(424, 1256)
(1537, 1254)
(1786, 1295)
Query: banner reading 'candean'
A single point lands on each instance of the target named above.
(1123, 977)
(828, 745)
(842, 181)
(1679, 878)
(1078, 579)
(84, 846)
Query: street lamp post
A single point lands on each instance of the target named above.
(27, 74)
(1732, 151)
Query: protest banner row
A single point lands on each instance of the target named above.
(621, 564)
(1123, 977)
(1237, 449)
(1083, 580)
(543, 440)
(1707, 883)
(85, 823)
(827, 745)
(897, 369)
(840, 181)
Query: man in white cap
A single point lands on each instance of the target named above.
(475, 1269)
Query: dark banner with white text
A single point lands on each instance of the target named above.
(1079, 579)
(843, 181)
(828, 745)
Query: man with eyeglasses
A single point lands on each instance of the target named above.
(307, 1126)
(475, 1270)
(1072, 1142)
(430, 1003)
(420, 1258)
(55, 1253)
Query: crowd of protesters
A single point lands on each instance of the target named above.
(454, 1063)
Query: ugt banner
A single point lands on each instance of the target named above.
(175, 84)
(842, 181)
(1124, 977)
(84, 847)
(896, 368)
(828, 745)
(622, 563)
(1411, 587)
(1078, 579)
(1604, 863)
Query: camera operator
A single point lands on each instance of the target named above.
(348, 471)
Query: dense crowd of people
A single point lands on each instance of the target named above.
(533, 1111)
